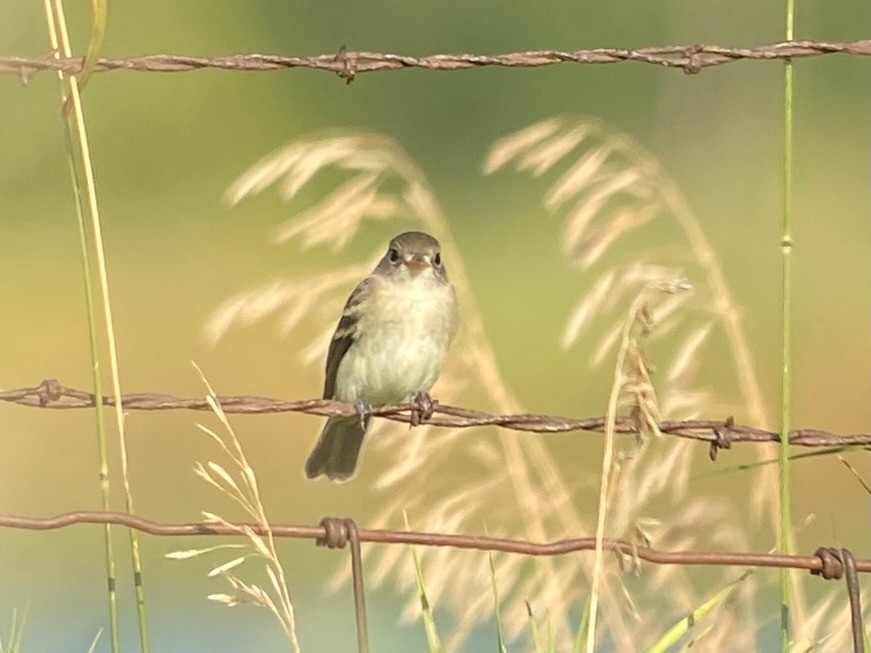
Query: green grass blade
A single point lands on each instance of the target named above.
(95, 45)
(15, 645)
(86, 194)
(536, 633)
(743, 467)
(679, 630)
(581, 637)
(432, 635)
(692, 641)
(500, 639)
(16, 633)
(57, 29)
(785, 531)
(551, 637)
(93, 647)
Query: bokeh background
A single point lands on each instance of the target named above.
(166, 147)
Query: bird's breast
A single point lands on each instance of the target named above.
(402, 338)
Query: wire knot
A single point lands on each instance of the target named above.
(348, 70)
(832, 565)
(693, 62)
(421, 408)
(48, 391)
(337, 532)
(723, 438)
(837, 563)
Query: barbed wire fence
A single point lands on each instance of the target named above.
(347, 64)
(719, 434)
(829, 563)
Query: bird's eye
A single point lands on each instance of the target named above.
(393, 255)
(437, 260)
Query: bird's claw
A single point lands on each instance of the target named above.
(364, 411)
(423, 409)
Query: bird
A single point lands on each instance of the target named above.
(389, 346)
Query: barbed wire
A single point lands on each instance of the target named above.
(719, 434)
(347, 63)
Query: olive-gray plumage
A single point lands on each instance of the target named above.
(390, 344)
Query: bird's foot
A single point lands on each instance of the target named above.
(364, 411)
(423, 409)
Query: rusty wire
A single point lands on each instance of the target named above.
(829, 563)
(347, 63)
(839, 563)
(826, 566)
(336, 534)
(719, 434)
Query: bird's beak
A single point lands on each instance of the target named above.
(417, 262)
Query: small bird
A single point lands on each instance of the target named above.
(388, 347)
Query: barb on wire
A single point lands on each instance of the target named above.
(819, 563)
(719, 434)
(347, 64)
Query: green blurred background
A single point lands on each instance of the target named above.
(165, 148)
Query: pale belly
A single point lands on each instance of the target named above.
(398, 353)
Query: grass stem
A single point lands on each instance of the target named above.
(52, 21)
(786, 314)
(79, 151)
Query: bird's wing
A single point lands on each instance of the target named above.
(345, 335)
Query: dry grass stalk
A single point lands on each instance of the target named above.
(611, 189)
(239, 483)
(632, 378)
(391, 186)
(533, 499)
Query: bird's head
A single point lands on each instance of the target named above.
(411, 254)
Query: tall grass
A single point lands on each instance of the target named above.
(631, 372)
(516, 486)
(69, 90)
(433, 641)
(383, 183)
(610, 190)
(785, 531)
(82, 176)
(682, 628)
(13, 641)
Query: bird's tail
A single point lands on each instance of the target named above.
(336, 452)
